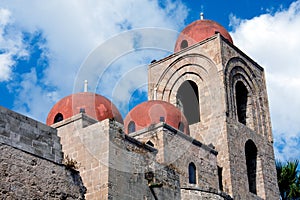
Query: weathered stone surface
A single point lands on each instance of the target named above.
(29, 135)
(216, 66)
(154, 162)
(26, 176)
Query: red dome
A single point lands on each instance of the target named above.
(153, 112)
(94, 105)
(198, 31)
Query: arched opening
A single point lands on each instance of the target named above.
(188, 101)
(150, 143)
(184, 44)
(251, 162)
(220, 177)
(58, 117)
(131, 127)
(241, 93)
(192, 173)
(181, 126)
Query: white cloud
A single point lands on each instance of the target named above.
(11, 45)
(73, 28)
(33, 99)
(273, 41)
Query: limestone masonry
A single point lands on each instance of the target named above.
(204, 133)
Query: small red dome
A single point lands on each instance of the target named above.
(94, 105)
(198, 31)
(153, 112)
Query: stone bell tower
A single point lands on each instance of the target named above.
(222, 93)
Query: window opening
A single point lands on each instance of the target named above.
(251, 162)
(181, 126)
(82, 110)
(220, 169)
(58, 117)
(131, 127)
(241, 101)
(162, 119)
(150, 143)
(184, 44)
(188, 101)
(192, 173)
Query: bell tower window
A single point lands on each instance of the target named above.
(241, 101)
(251, 162)
(188, 101)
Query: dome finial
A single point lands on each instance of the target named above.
(201, 15)
(85, 86)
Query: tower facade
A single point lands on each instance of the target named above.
(204, 133)
(222, 93)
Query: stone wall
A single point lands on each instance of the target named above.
(29, 135)
(112, 164)
(239, 67)
(177, 150)
(266, 179)
(196, 193)
(216, 66)
(202, 64)
(31, 161)
(130, 161)
(85, 140)
(27, 176)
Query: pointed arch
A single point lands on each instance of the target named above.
(242, 91)
(188, 101)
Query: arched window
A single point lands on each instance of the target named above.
(184, 44)
(192, 173)
(188, 101)
(58, 117)
(150, 143)
(241, 101)
(181, 126)
(251, 162)
(131, 127)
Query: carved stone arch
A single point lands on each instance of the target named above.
(252, 104)
(179, 75)
(197, 59)
(196, 78)
(237, 71)
(189, 63)
(199, 69)
(190, 106)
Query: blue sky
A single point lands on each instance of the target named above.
(46, 50)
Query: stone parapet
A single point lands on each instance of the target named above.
(29, 135)
(26, 176)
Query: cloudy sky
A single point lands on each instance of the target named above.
(47, 49)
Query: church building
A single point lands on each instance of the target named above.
(204, 133)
